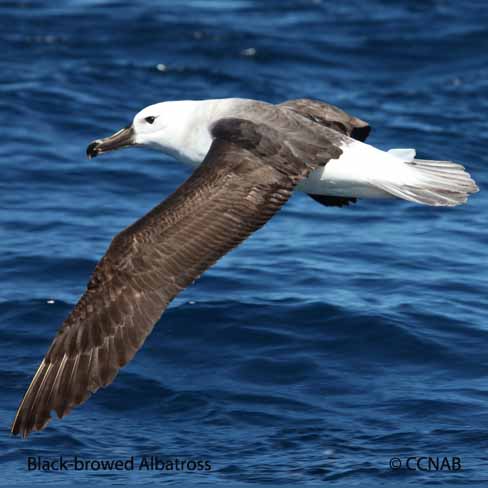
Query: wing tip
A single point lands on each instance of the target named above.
(26, 428)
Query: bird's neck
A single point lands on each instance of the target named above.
(191, 139)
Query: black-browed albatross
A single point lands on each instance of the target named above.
(250, 156)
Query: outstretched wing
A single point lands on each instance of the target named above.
(248, 174)
(329, 116)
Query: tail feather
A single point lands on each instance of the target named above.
(438, 183)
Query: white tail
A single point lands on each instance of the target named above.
(439, 183)
(363, 171)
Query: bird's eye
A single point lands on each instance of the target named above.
(150, 119)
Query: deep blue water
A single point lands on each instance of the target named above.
(333, 339)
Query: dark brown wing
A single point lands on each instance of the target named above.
(334, 118)
(248, 174)
(329, 116)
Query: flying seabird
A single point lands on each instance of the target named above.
(249, 157)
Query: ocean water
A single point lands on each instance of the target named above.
(332, 341)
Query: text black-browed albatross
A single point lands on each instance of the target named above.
(250, 156)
